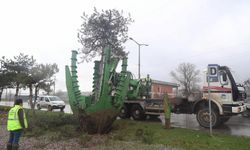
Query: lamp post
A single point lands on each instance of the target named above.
(139, 56)
(54, 85)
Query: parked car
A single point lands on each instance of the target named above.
(50, 102)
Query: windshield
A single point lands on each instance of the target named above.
(55, 98)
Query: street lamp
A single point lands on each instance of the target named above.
(139, 57)
(54, 85)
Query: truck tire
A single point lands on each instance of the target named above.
(124, 113)
(137, 113)
(203, 119)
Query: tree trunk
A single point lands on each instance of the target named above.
(17, 89)
(1, 92)
(32, 105)
(36, 92)
(31, 96)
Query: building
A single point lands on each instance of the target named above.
(159, 88)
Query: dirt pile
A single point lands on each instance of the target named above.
(99, 122)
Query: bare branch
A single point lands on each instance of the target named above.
(187, 76)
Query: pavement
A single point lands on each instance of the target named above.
(237, 125)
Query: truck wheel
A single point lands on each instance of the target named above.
(138, 113)
(38, 106)
(203, 119)
(124, 113)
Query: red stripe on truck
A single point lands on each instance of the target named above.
(217, 88)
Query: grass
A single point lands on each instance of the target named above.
(129, 134)
(178, 137)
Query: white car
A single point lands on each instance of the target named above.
(50, 102)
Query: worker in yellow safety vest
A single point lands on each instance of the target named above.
(167, 111)
(15, 124)
(148, 86)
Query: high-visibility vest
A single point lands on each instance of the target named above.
(13, 122)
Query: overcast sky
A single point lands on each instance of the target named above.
(195, 31)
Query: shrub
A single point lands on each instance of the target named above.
(57, 124)
(148, 137)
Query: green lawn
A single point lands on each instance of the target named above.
(59, 126)
(154, 133)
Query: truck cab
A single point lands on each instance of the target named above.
(227, 97)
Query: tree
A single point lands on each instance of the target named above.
(102, 29)
(20, 67)
(187, 76)
(5, 76)
(41, 78)
(247, 83)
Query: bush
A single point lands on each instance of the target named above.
(5, 108)
(50, 120)
(56, 124)
(146, 136)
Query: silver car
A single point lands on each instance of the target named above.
(50, 102)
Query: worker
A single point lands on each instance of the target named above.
(167, 111)
(16, 124)
(148, 86)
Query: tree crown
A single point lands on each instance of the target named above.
(107, 28)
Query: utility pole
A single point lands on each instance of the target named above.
(54, 85)
(139, 56)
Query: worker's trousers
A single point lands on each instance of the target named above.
(15, 136)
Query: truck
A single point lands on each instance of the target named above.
(227, 99)
(117, 93)
(148, 101)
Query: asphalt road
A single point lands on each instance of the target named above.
(237, 125)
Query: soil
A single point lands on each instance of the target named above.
(99, 122)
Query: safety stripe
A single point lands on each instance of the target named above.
(218, 88)
(218, 91)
